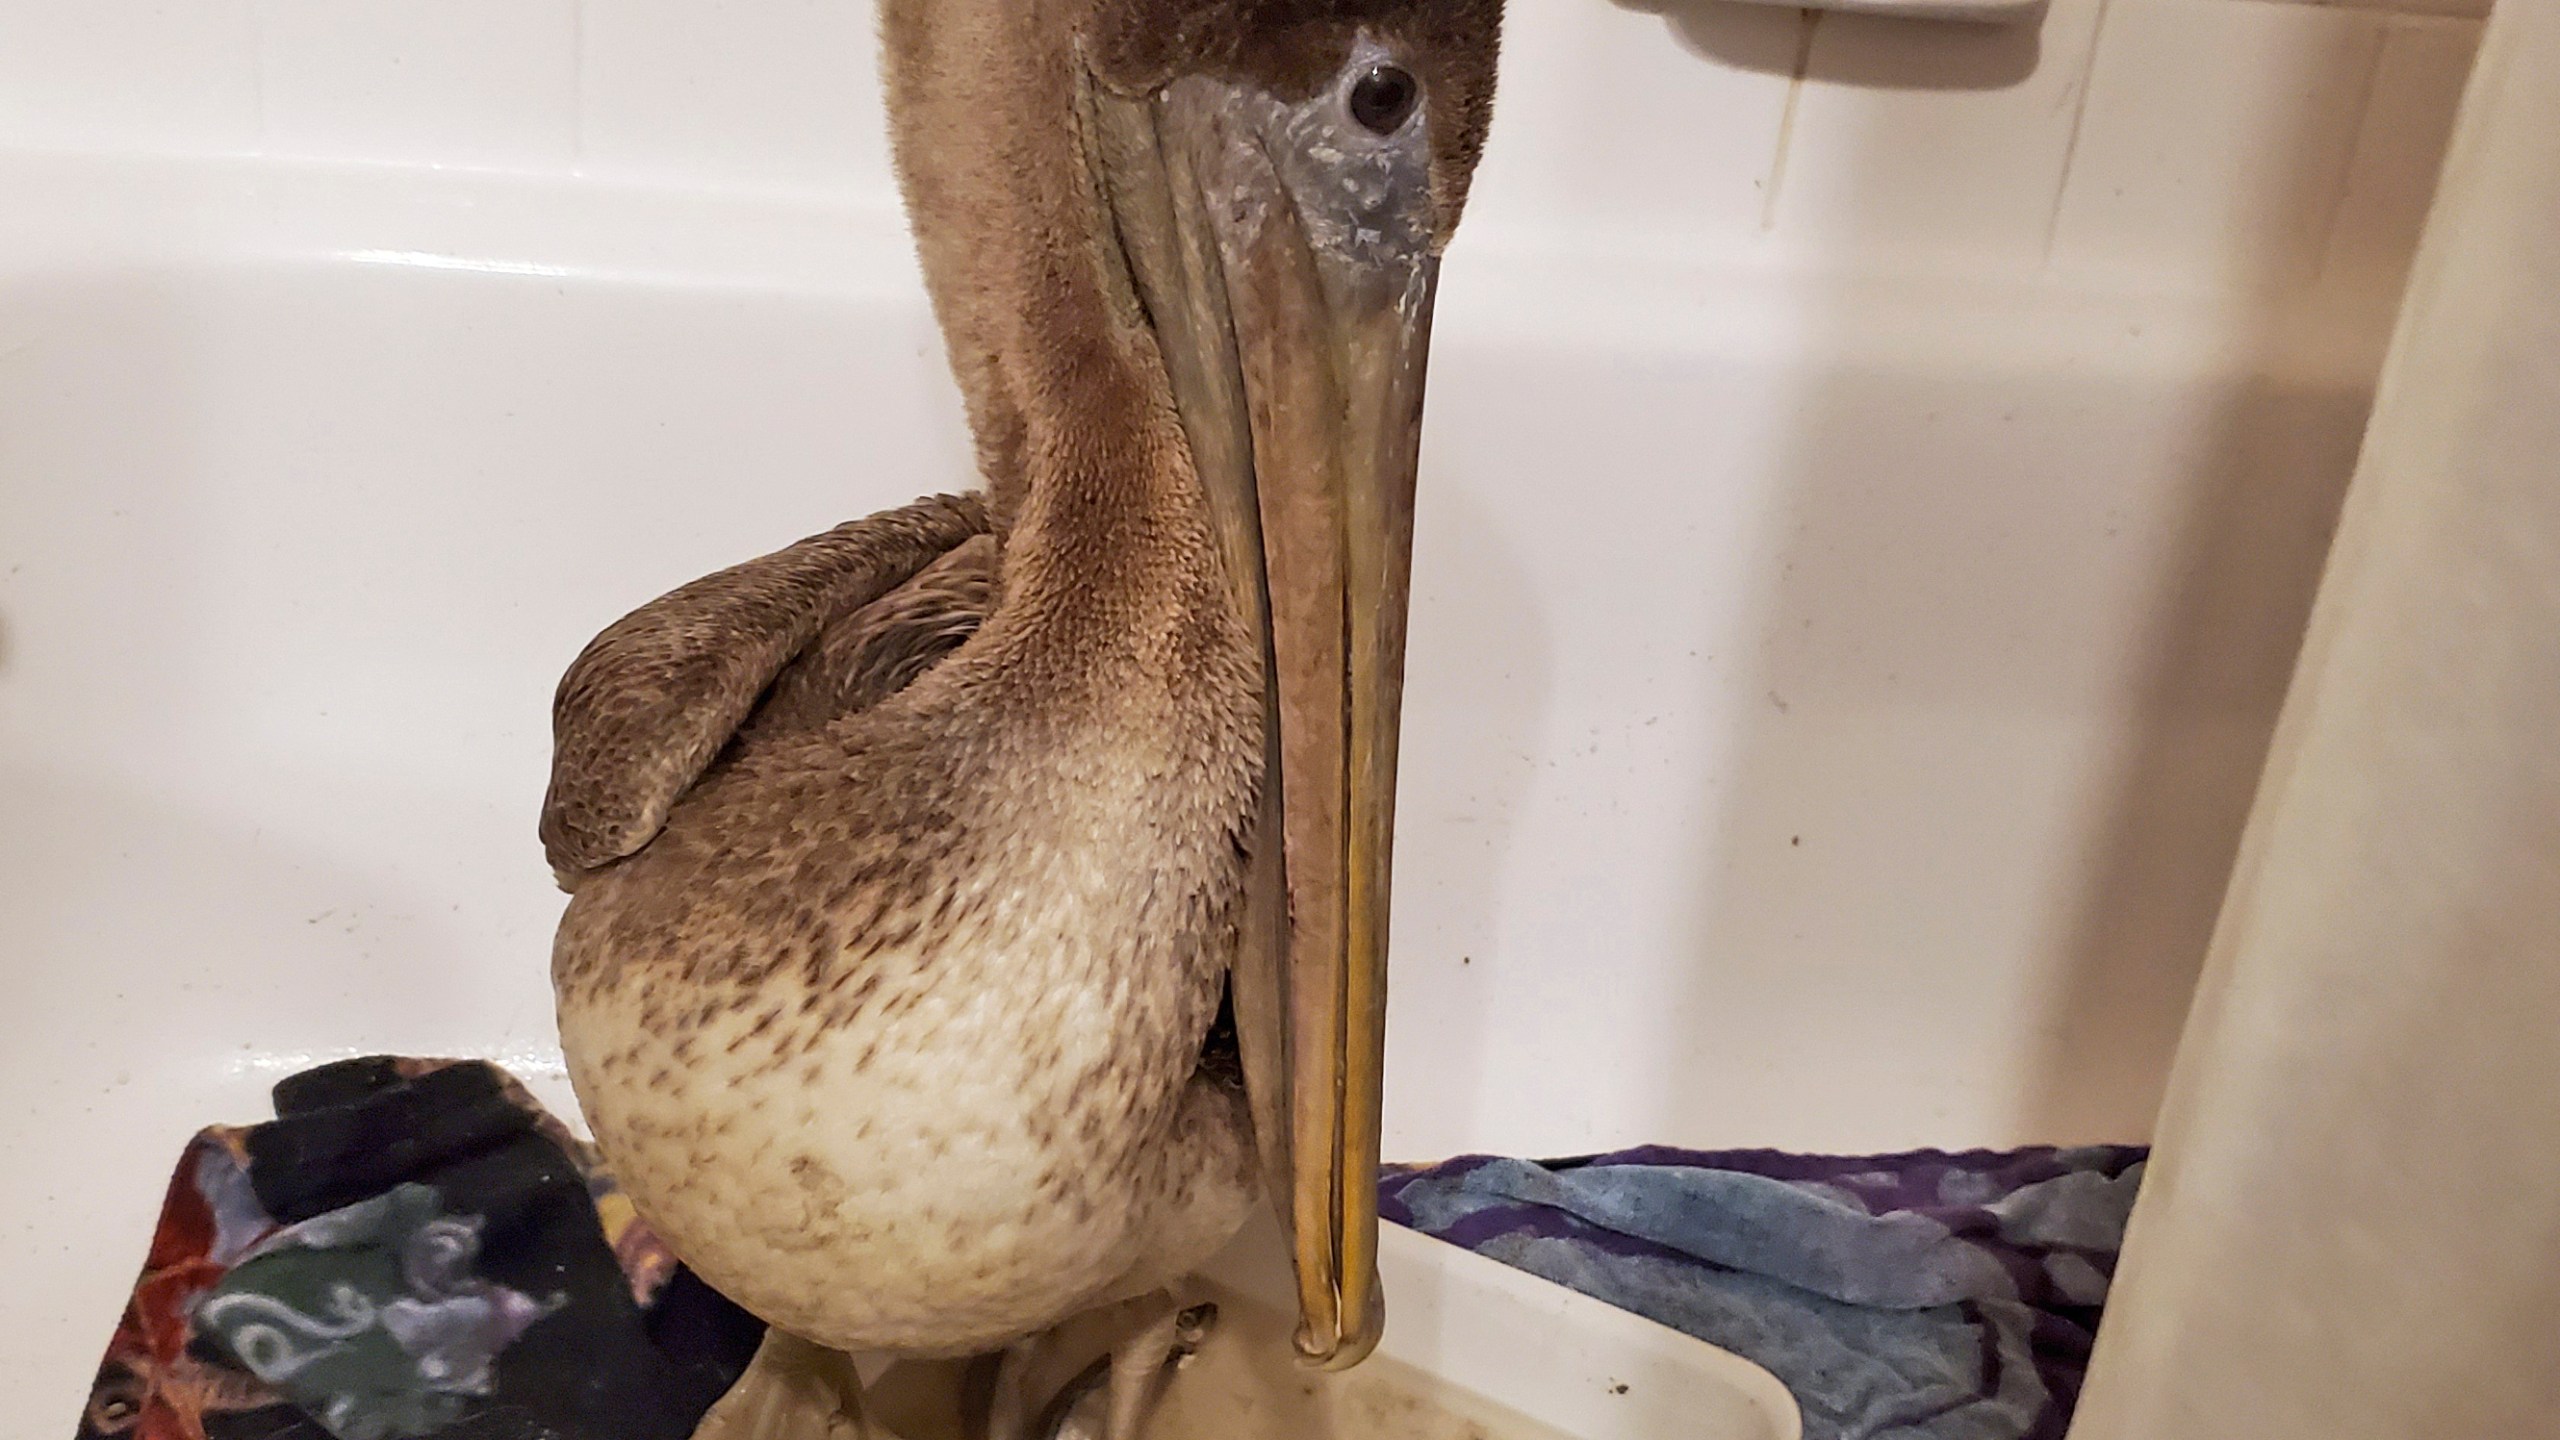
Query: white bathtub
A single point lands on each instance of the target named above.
(1832, 705)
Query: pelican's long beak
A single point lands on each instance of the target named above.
(1297, 368)
(1336, 378)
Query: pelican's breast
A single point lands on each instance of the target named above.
(910, 1106)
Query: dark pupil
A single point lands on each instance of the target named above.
(1383, 98)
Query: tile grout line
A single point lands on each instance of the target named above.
(2079, 119)
(1809, 22)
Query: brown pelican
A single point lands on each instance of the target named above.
(910, 865)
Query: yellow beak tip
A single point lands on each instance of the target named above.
(1348, 1350)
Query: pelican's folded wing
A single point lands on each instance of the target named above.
(649, 704)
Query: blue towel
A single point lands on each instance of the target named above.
(1923, 1296)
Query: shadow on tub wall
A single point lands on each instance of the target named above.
(2041, 618)
(1976, 835)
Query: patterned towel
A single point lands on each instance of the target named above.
(412, 1248)
(1923, 1296)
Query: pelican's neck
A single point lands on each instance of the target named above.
(1088, 473)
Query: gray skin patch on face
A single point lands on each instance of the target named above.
(1359, 196)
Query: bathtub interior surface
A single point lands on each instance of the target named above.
(1474, 1350)
(1831, 710)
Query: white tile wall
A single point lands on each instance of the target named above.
(152, 74)
(2217, 138)
(2460, 9)
(451, 82)
(1649, 128)
(761, 93)
(2179, 141)
(1934, 141)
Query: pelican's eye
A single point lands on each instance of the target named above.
(1383, 99)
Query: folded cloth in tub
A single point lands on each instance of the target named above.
(1920, 1296)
